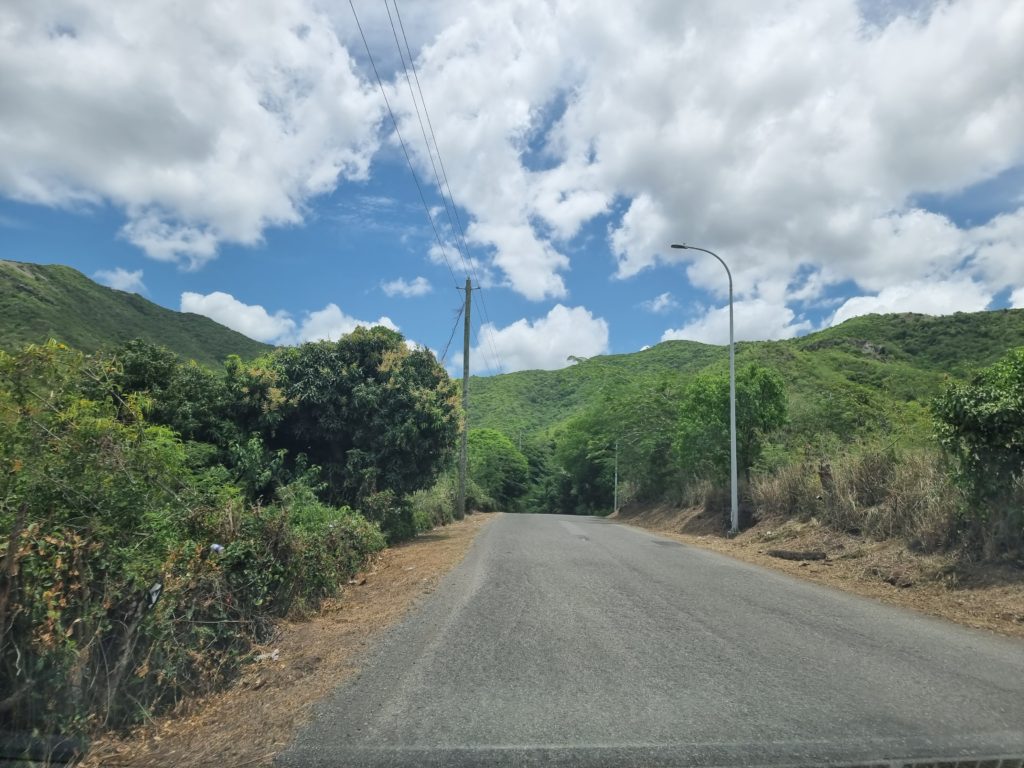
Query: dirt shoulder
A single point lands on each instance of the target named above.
(983, 596)
(254, 719)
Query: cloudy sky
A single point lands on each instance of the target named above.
(237, 159)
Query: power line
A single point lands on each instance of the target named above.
(492, 363)
(423, 129)
(462, 308)
(405, 149)
(459, 230)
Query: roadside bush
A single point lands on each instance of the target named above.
(392, 514)
(477, 499)
(980, 426)
(113, 603)
(434, 506)
(290, 556)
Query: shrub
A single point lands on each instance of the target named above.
(112, 603)
(434, 506)
(980, 425)
(477, 499)
(392, 514)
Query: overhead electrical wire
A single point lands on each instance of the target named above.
(455, 326)
(456, 224)
(423, 130)
(489, 364)
(405, 150)
(448, 208)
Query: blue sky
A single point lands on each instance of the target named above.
(843, 158)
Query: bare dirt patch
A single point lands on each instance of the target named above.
(980, 595)
(254, 719)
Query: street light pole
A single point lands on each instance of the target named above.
(735, 516)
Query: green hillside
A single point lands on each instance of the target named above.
(38, 302)
(869, 371)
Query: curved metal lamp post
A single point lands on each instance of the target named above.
(735, 516)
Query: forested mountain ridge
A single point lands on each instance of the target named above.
(862, 368)
(39, 302)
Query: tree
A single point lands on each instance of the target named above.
(497, 466)
(586, 453)
(702, 440)
(635, 419)
(980, 424)
(90, 505)
(546, 478)
(373, 414)
(185, 396)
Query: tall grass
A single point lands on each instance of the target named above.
(876, 491)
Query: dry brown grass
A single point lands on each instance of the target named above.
(874, 492)
(250, 722)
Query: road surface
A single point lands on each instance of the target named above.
(577, 641)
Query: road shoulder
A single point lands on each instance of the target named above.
(980, 596)
(250, 722)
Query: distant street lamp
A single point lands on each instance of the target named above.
(735, 517)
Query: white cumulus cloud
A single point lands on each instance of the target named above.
(418, 286)
(278, 328)
(250, 319)
(121, 279)
(928, 298)
(545, 343)
(794, 140)
(205, 126)
(663, 302)
(331, 323)
(754, 319)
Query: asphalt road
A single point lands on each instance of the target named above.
(576, 641)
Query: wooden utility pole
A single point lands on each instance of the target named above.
(615, 501)
(460, 511)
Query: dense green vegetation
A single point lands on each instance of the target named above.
(156, 516)
(869, 372)
(840, 425)
(980, 426)
(158, 512)
(41, 302)
(497, 467)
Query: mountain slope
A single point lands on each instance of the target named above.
(875, 370)
(38, 302)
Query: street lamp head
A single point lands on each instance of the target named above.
(680, 246)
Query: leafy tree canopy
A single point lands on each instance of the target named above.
(702, 441)
(497, 466)
(372, 413)
(980, 424)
